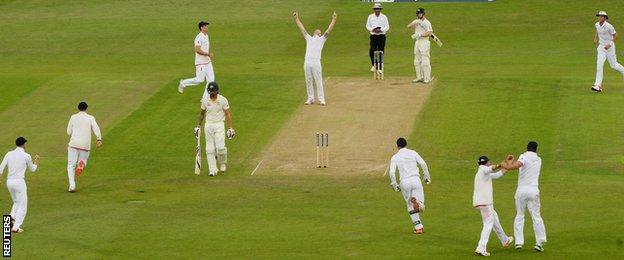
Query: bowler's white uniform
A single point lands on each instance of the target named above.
(483, 200)
(203, 64)
(18, 161)
(605, 36)
(407, 162)
(214, 130)
(79, 129)
(422, 63)
(527, 196)
(312, 66)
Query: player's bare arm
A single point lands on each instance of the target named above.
(596, 38)
(331, 25)
(37, 159)
(199, 51)
(228, 118)
(200, 117)
(413, 24)
(299, 24)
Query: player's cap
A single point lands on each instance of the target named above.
(20, 141)
(420, 10)
(602, 13)
(212, 87)
(377, 6)
(483, 160)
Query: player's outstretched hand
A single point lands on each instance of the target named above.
(334, 16)
(37, 159)
(296, 14)
(98, 143)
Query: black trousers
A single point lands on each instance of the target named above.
(377, 43)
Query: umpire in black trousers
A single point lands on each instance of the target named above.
(377, 24)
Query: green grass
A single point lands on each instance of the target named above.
(509, 72)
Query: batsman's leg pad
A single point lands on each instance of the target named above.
(222, 155)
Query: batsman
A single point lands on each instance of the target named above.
(422, 32)
(215, 109)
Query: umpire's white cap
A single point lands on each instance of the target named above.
(602, 13)
(377, 6)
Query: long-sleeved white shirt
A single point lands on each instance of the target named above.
(374, 21)
(483, 194)
(79, 128)
(407, 162)
(18, 161)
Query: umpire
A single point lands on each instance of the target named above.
(377, 25)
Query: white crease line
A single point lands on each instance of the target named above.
(257, 166)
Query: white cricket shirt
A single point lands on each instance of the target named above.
(374, 21)
(202, 41)
(529, 173)
(214, 109)
(18, 161)
(314, 47)
(483, 193)
(407, 162)
(421, 27)
(605, 32)
(79, 128)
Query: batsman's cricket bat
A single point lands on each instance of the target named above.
(436, 40)
(198, 153)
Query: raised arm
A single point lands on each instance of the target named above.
(413, 23)
(331, 25)
(299, 24)
(32, 166)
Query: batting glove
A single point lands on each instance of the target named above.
(427, 181)
(197, 130)
(395, 187)
(230, 133)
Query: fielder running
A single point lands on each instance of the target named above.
(203, 60)
(483, 200)
(528, 196)
(377, 25)
(422, 32)
(312, 65)
(79, 129)
(215, 109)
(18, 161)
(407, 162)
(605, 37)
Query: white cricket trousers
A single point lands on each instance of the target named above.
(528, 198)
(412, 187)
(422, 63)
(490, 221)
(203, 73)
(215, 142)
(606, 55)
(73, 157)
(17, 188)
(314, 74)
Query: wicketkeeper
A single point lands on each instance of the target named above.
(215, 109)
(407, 162)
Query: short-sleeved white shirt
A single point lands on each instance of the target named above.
(202, 41)
(214, 109)
(314, 47)
(421, 27)
(483, 193)
(605, 32)
(529, 173)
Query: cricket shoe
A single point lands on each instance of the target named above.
(417, 81)
(180, 87)
(480, 253)
(80, 168)
(373, 69)
(539, 248)
(309, 102)
(508, 243)
(223, 168)
(431, 80)
(597, 88)
(419, 231)
(322, 103)
(72, 190)
(212, 174)
(17, 230)
(519, 246)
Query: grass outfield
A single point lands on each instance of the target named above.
(509, 71)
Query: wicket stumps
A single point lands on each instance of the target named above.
(322, 149)
(378, 56)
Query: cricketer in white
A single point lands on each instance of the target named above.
(312, 65)
(18, 161)
(422, 32)
(79, 129)
(605, 38)
(528, 196)
(483, 200)
(407, 161)
(203, 60)
(215, 109)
